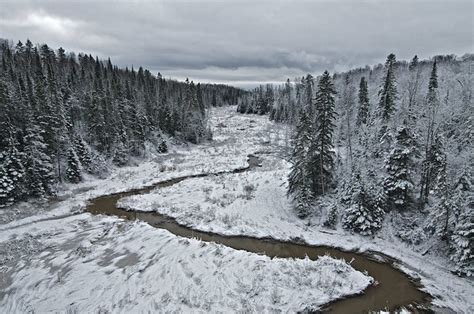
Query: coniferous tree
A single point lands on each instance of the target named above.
(399, 182)
(299, 181)
(430, 156)
(322, 155)
(388, 93)
(413, 86)
(73, 171)
(38, 165)
(363, 112)
(461, 240)
(365, 213)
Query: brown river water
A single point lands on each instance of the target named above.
(392, 290)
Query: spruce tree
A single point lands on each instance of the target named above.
(461, 240)
(73, 171)
(365, 213)
(321, 157)
(299, 181)
(431, 148)
(38, 165)
(388, 93)
(363, 112)
(398, 184)
(83, 153)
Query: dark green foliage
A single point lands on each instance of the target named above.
(38, 166)
(120, 155)
(388, 93)
(365, 213)
(322, 157)
(363, 112)
(399, 181)
(83, 153)
(12, 175)
(299, 181)
(433, 151)
(51, 102)
(73, 171)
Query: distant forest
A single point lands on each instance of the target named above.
(394, 138)
(64, 116)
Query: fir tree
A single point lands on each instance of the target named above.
(38, 166)
(399, 183)
(120, 156)
(365, 213)
(83, 153)
(299, 184)
(432, 149)
(321, 150)
(388, 93)
(363, 112)
(462, 237)
(413, 85)
(73, 172)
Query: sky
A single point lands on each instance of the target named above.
(244, 43)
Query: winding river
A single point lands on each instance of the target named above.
(392, 289)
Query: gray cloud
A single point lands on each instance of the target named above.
(243, 42)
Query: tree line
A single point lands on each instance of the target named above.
(394, 138)
(64, 116)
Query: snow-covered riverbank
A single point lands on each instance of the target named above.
(254, 203)
(56, 258)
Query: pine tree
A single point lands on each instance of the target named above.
(73, 172)
(83, 153)
(388, 93)
(299, 184)
(432, 149)
(120, 156)
(398, 184)
(38, 166)
(413, 85)
(321, 150)
(365, 214)
(462, 237)
(363, 112)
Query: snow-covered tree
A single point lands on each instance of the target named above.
(38, 165)
(121, 155)
(365, 213)
(399, 182)
(322, 149)
(363, 110)
(73, 171)
(462, 239)
(299, 181)
(388, 93)
(432, 151)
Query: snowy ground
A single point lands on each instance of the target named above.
(55, 258)
(96, 263)
(254, 203)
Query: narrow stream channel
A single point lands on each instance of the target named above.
(393, 289)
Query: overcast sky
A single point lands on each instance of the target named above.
(244, 42)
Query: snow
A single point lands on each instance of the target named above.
(224, 205)
(56, 258)
(100, 263)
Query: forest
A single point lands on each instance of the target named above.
(65, 116)
(383, 147)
